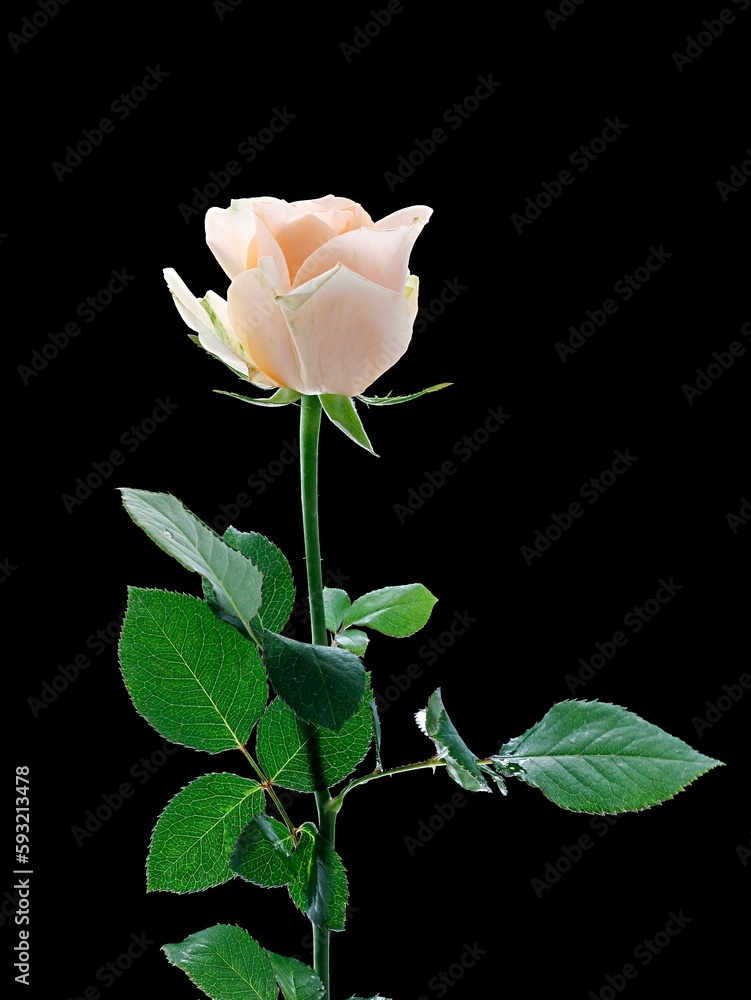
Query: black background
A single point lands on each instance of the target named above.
(357, 117)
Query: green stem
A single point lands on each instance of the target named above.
(420, 765)
(310, 425)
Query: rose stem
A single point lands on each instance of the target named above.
(310, 424)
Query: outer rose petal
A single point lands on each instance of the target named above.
(199, 320)
(380, 255)
(404, 217)
(259, 324)
(348, 330)
(230, 233)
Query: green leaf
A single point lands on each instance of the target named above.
(282, 397)
(354, 640)
(321, 684)
(342, 413)
(226, 963)
(390, 400)
(376, 732)
(296, 980)
(278, 590)
(262, 853)
(319, 887)
(194, 837)
(285, 745)
(335, 605)
(396, 611)
(593, 757)
(461, 763)
(235, 580)
(194, 678)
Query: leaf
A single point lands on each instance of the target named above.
(296, 980)
(342, 413)
(195, 679)
(285, 745)
(194, 837)
(235, 580)
(376, 732)
(321, 684)
(282, 397)
(396, 611)
(461, 763)
(354, 640)
(262, 853)
(594, 757)
(390, 400)
(335, 604)
(278, 589)
(319, 887)
(226, 963)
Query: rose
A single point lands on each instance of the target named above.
(321, 300)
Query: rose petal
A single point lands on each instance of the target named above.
(347, 330)
(230, 233)
(259, 324)
(380, 255)
(404, 217)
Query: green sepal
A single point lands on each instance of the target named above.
(226, 963)
(282, 397)
(461, 763)
(594, 757)
(342, 413)
(389, 400)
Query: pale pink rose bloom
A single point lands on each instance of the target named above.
(321, 299)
